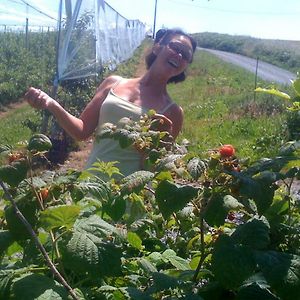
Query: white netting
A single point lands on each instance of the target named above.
(93, 34)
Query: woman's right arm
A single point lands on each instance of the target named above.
(78, 128)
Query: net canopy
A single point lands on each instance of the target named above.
(91, 34)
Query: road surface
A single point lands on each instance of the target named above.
(265, 71)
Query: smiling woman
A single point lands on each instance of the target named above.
(119, 97)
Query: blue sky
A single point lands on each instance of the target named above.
(276, 19)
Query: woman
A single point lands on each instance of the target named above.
(118, 97)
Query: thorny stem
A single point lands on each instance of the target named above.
(38, 244)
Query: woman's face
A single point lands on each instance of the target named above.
(177, 53)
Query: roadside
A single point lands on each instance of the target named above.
(265, 70)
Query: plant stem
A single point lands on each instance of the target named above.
(202, 249)
(38, 243)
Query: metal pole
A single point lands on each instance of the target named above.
(154, 22)
(255, 82)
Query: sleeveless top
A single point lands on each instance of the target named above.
(112, 110)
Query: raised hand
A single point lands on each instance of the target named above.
(38, 99)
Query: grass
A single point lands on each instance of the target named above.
(13, 128)
(219, 107)
(218, 103)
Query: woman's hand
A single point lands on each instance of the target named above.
(162, 123)
(38, 99)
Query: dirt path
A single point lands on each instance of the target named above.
(11, 107)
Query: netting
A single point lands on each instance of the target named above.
(93, 34)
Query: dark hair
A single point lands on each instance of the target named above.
(163, 36)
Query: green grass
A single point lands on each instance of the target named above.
(13, 129)
(219, 108)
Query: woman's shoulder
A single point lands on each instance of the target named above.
(110, 81)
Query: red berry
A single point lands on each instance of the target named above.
(227, 151)
(231, 216)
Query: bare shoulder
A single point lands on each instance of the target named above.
(108, 82)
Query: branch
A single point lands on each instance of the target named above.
(38, 243)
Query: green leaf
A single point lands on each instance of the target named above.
(196, 167)
(98, 189)
(273, 92)
(255, 233)
(134, 240)
(29, 209)
(296, 86)
(135, 182)
(255, 291)
(14, 173)
(6, 240)
(96, 226)
(231, 263)
(115, 207)
(171, 197)
(5, 283)
(81, 253)
(282, 272)
(178, 262)
(147, 265)
(35, 286)
(164, 282)
(218, 207)
(59, 216)
(261, 191)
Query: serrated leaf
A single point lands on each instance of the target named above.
(171, 197)
(96, 226)
(134, 240)
(34, 286)
(231, 263)
(147, 265)
(218, 207)
(178, 262)
(135, 182)
(255, 233)
(115, 207)
(282, 272)
(196, 167)
(98, 189)
(273, 92)
(81, 253)
(168, 162)
(59, 216)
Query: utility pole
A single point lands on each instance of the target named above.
(154, 22)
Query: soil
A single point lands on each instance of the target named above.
(11, 107)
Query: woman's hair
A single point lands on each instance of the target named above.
(162, 37)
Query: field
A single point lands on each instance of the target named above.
(212, 217)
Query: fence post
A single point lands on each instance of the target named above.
(255, 81)
(26, 34)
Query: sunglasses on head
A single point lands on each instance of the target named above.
(179, 48)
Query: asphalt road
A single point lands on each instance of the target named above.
(265, 71)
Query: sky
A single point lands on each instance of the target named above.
(271, 19)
